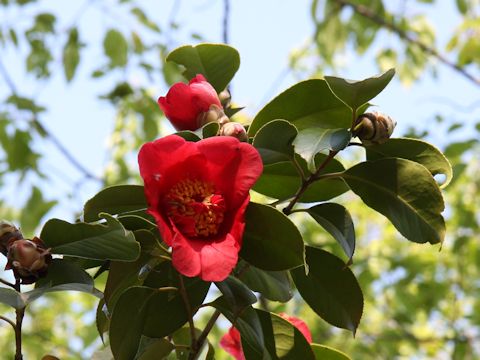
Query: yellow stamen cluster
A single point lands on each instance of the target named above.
(195, 208)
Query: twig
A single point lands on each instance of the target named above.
(7, 283)
(8, 321)
(203, 336)
(226, 18)
(306, 183)
(18, 327)
(183, 292)
(367, 13)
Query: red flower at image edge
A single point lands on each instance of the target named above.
(198, 193)
(185, 102)
(231, 342)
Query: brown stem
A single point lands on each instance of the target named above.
(18, 327)
(372, 16)
(8, 283)
(306, 183)
(188, 307)
(203, 336)
(8, 321)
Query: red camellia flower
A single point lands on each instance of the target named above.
(231, 342)
(198, 193)
(185, 103)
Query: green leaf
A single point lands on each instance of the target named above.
(274, 141)
(217, 62)
(271, 240)
(323, 352)
(210, 129)
(414, 150)
(236, 294)
(330, 289)
(92, 241)
(156, 349)
(273, 285)
(405, 192)
(282, 181)
(309, 142)
(12, 298)
(63, 275)
(282, 340)
(188, 135)
(144, 20)
(116, 48)
(115, 200)
(143, 310)
(356, 93)
(71, 54)
(337, 221)
(307, 104)
(247, 323)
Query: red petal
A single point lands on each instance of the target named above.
(231, 343)
(232, 165)
(299, 324)
(179, 108)
(203, 95)
(212, 261)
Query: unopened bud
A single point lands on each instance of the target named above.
(28, 259)
(234, 129)
(374, 128)
(225, 98)
(8, 232)
(214, 114)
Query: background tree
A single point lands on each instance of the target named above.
(418, 302)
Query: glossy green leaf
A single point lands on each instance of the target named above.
(415, 150)
(102, 322)
(309, 142)
(356, 93)
(236, 294)
(405, 192)
(217, 62)
(282, 181)
(271, 240)
(63, 275)
(274, 141)
(247, 323)
(323, 352)
(330, 289)
(12, 298)
(273, 285)
(127, 322)
(155, 349)
(282, 340)
(115, 47)
(188, 135)
(210, 129)
(307, 104)
(115, 200)
(93, 241)
(336, 219)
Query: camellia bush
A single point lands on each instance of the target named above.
(192, 227)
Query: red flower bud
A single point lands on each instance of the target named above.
(28, 259)
(184, 103)
(234, 129)
(8, 233)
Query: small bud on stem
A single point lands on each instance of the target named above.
(374, 128)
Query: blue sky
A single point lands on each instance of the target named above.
(264, 32)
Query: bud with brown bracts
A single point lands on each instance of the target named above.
(225, 98)
(374, 128)
(29, 259)
(8, 232)
(234, 129)
(214, 114)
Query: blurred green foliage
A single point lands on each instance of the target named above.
(420, 303)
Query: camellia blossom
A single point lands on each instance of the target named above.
(198, 193)
(185, 104)
(231, 342)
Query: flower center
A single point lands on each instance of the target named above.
(195, 208)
